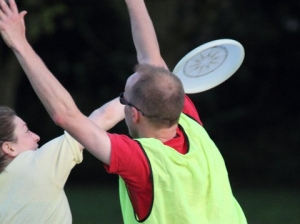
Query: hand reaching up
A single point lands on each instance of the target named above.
(12, 26)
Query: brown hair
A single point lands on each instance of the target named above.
(159, 94)
(7, 128)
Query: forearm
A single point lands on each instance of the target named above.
(108, 115)
(53, 95)
(143, 33)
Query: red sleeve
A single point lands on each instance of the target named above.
(127, 159)
(190, 109)
(126, 154)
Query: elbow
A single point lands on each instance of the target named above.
(67, 118)
(59, 120)
(64, 120)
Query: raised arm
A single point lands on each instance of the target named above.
(143, 34)
(108, 115)
(57, 101)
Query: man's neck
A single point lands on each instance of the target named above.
(162, 134)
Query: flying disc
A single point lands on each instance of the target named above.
(209, 65)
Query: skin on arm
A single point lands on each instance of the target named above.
(144, 36)
(108, 115)
(56, 99)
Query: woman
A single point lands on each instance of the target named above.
(32, 179)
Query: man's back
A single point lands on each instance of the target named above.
(190, 188)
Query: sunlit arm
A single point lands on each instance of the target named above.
(108, 115)
(56, 99)
(143, 33)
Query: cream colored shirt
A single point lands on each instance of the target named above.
(32, 185)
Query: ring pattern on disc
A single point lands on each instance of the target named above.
(205, 62)
(209, 65)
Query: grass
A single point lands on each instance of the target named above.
(93, 204)
(270, 206)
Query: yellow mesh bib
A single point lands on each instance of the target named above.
(188, 189)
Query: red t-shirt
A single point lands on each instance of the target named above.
(129, 161)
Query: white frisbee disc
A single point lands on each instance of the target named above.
(209, 65)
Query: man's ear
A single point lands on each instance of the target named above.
(135, 114)
(8, 150)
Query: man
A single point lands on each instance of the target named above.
(171, 172)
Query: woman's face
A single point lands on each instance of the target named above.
(26, 140)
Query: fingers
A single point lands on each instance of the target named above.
(8, 7)
(4, 7)
(2, 15)
(9, 13)
(13, 6)
(8, 10)
(22, 15)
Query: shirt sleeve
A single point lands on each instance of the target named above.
(58, 157)
(190, 109)
(127, 159)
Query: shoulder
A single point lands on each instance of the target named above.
(126, 153)
(190, 109)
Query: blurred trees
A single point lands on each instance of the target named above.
(40, 21)
(253, 117)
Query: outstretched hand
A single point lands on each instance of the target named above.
(12, 25)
